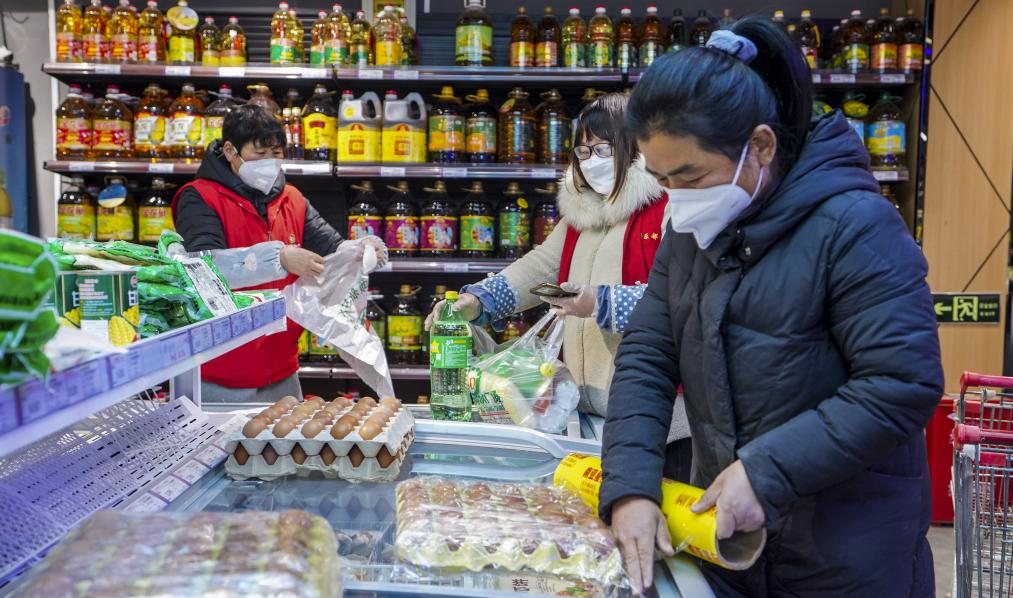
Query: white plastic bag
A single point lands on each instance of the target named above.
(333, 307)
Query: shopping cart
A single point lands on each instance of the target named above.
(982, 486)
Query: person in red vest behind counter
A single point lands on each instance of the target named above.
(240, 200)
(614, 215)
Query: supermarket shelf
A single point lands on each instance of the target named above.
(862, 79)
(445, 265)
(36, 409)
(76, 71)
(891, 176)
(490, 74)
(127, 166)
(547, 172)
(340, 371)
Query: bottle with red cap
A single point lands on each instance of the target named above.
(207, 43)
(651, 45)
(319, 34)
(232, 44)
(626, 39)
(574, 39)
(114, 126)
(73, 126)
(601, 37)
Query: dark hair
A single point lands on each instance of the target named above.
(250, 123)
(718, 99)
(603, 118)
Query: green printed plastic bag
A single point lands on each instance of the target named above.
(27, 276)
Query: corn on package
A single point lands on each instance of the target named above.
(474, 525)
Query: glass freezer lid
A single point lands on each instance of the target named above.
(363, 515)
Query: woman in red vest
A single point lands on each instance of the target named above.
(240, 200)
(614, 215)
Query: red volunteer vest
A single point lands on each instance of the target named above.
(640, 243)
(269, 358)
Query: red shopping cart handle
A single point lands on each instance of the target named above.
(965, 434)
(970, 379)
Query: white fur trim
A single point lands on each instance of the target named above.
(586, 209)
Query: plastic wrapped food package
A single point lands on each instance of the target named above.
(474, 525)
(249, 554)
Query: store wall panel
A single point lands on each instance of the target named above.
(947, 15)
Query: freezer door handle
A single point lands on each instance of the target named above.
(497, 434)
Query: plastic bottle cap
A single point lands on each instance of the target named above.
(209, 20)
(574, 11)
(778, 14)
(337, 7)
(806, 14)
(447, 90)
(651, 9)
(599, 10)
(322, 14)
(626, 10)
(856, 13)
(450, 296)
(233, 20)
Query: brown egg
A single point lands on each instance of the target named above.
(325, 416)
(361, 408)
(269, 454)
(341, 429)
(355, 456)
(351, 418)
(370, 430)
(298, 455)
(384, 410)
(316, 400)
(253, 427)
(341, 402)
(368, 401)
(384, 458)
(288, 400)
(327, 455)
(303, 411)
(312, 428)
(241, 455)
(391, 402)
(284, 427)
(276, 411)
(379, 419)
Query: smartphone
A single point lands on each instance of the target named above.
(547, 289)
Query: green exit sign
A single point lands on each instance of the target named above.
(966, 308)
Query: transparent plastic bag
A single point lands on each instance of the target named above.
(523, 382)
(514, 527)
(250, 266)
(333, 307)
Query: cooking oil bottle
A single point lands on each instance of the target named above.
(676, 38)
(113, 127)
(186, 129)
(338, 31)
(75, 212)
(6, 207)
(154, 212)
(480, 128)
(207, 36)
(626, 39)
(404, 128)
(360, 42)
(319, 33)
(74, 132)
(808, 35)
(600, 51)
(295, 25)
(364, 217)
(886, 137)
(214, 116)
(911, 34)
(115, 216)
(151, 34)
(232, 44)
(574, 39)
(517, 125)
(473, 36)
(123, 33)
(514, 223)
(387, 38)
(883, 43)
(260, 95)
(855, 53)
(68, 32)
(547, 47)
(319, 124)
(702, 29)
(150, 125)
(283, 36)
(359, 128)
(478, 224)
(446, 128)
(522, 39)
(554, 129)
(95, 43)
(650, 37)
(182, 33)
(409, 43)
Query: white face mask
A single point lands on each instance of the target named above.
(706, 212)
(600, 173)
(263, 175)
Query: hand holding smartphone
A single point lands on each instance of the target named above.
(547, 289)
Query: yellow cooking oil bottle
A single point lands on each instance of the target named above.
(68, 32)
(151, 34)
(359, 128)
(95, 42)
(207, 42)
(404, 128)
(182, 33)
(283, 37)
(387, 47)
(339, 30)
(232, 44)
(122, 29)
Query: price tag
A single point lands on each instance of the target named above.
(211, 456)
(455, 173)
(236, 72)
(886, 175)
(392, 171)
(164, 167)
(152, 356)
(69, 391)
(169, 489)
(314, 73)
(177, 71)
(817, 78)
(191, 472)
(35, 400)
(176, 348)
(842, 78)
(262, 315)
(892, 78)
(221, 330)
(370, 73)
(388, 267)
(81, 166)
(405, 74)
(543, 173)
(456, 267)
(124, 367)
(201, 338)
(242, 322)
(145, 503)
(8, 410)
(279, 309)
(93, 378)
(107, 69)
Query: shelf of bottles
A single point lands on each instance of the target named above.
(340, 371)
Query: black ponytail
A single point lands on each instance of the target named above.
(718, 99)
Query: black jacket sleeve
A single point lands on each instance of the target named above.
(318, 236)
(639, 411)
(197, 223)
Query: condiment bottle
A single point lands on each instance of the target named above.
(855, 110)
(808, 37)
(473, 36)
(911, 33)
(855, 55)
(113, 127)
(480, 128)
(514, 223)
(478, 225)
(401, 223)
(364, 217)
(375, 315)
(517, 126)
(214, 116)
(74, 127)
(319, 34)
(122, 28)
(75, 212)
(182, 34)
(186, 127)
(150, 125)
(546, 215)
(522, 39)
(95, 42)
(554, 129)
(651, 45)
(702, 29)
(387, 38)
(439, 222)
(404, 328)
(69, 46)
(676, 38)
(547, 48)
(232, 44)
(292, 123)
(319, 126)
(626, 40)
(883, 42)
(446, 128)
(154, 212)
(360, 41)
(151, 34)
(600, 50)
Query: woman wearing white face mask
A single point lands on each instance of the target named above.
(614, 216)
(238, 200)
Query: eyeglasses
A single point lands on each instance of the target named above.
(602, 150)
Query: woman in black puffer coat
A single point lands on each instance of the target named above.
(791, 304)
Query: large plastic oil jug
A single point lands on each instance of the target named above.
(359, 124)
(404, 128)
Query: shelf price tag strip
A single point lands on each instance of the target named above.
(163, 167)
(146, 503)
(8, 410)
(201, 338)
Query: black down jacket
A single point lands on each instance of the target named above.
(804, 338)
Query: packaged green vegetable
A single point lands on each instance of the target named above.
(27, 274)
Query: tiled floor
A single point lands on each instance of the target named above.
(941, 539)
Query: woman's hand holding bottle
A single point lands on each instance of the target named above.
(467, 305)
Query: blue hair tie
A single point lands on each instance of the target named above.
(733, 44)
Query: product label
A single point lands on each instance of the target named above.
(522, 54)
(811, 56)
(401, 232)
(547, 54)
(599, 54)
(318, 54)
(388, 53)
(858, 126)
(213, 128)
(182, 49)
(473, 44)
(282, 50)
(439, 233)
(209, 57)
(626, 55)
(115, 223)
(183, 18)
(124, 48)
(404, 143)
(151, 221)
(478, 233)
(446, 133)
(544, 225)
(232, 57)
(649, 51)
(69, 47)
(557, 138)
(573, 55)
(481, 133)
(856, 56)
(94, 46)
(335, 51)
(317, 346)
(514, 229)
(147, 48)
(520, 136)
(380, 327)
(404, 333)
(186, 130)
(73, 134)
(886, 137)
(75, 221)
(449, 352)
(318, 131)
(358, 55)
(112, 135)
(149, 130)
(364, 226)
(884, 56)
(911, 57)
(357, 143)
